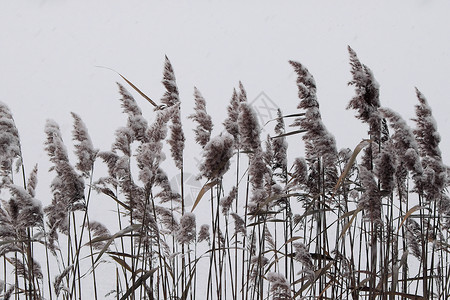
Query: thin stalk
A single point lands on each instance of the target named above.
(183, 259)
(94, 280)
(236, 237)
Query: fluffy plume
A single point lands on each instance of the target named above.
(9, 139)
(261, 182)
(426, 132)
(167, 219)
(302, 255)
(23, 270)
(29, 213)
(239, 224)
(186, 231)
(427, 136)
(279, 145)
(228, 201)
(370, 200)
(404, 143)
(413, 236)
(401, 152)
(385, 166)
(216, 156)
(242, 93)
(132, 192)
(17, 215)
(366, 101)
(148, 158)
(257, 204)
(124, 138)
(203, 234)
(258, 263)
(205, 125)
(150, 155)
(84, 149)
(68, 186)
(136, 122)
(110, 158)
(98, 230)
(279, 286)
(157, 131)
(143, 214)
(166, 194)
(231, 123)
(248, 127)
(269, 238)
(257, 169)
(171, 96)
(319, 143)
(32, 182)
(300, 174)
(59, 279)
(176, 140)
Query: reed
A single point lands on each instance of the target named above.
(368, 223)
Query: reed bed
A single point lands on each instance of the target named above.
(370, 222)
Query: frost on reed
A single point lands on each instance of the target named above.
(279, 147)
(370, 200)
(177, 139)
(367, 99)
(17, 215)
(231, 122)
(303, 256)
(23, 270)
(98, 230)
(67, 186)
(399, 156)
(136, 121)
(216, 157)
(248, 128)
(58, 284)
(413, 238)
(186, 232)
(280, 287)
(299, 176)
(239, 224)
(385, 170)
(204, 234)
(9, 139)
(171, 98)
(319, 142)
(29, 210)
(149, 154)
(428, 138)
(84, 149)
(32, 182)
(228, 201)
(200, 116)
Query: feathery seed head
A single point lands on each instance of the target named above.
(216, 157)
(186, 233)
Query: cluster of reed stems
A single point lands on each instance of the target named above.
(367, 223)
